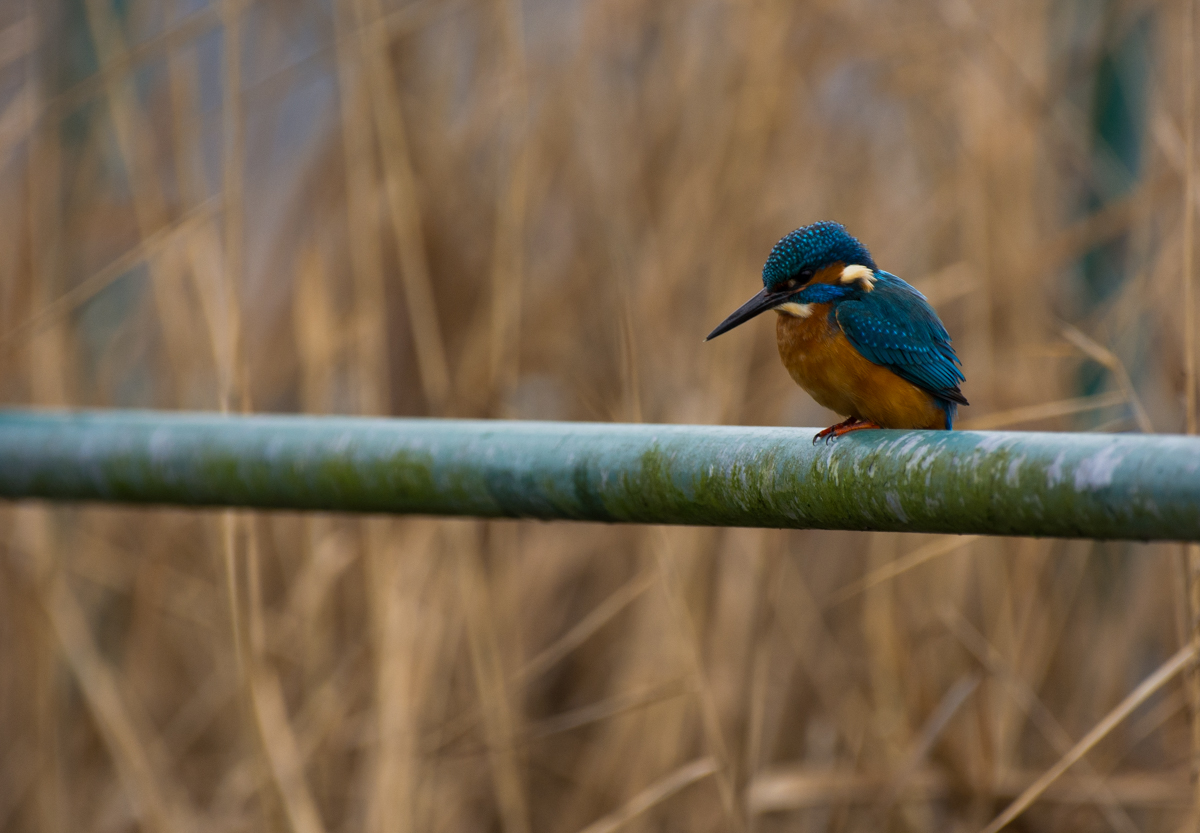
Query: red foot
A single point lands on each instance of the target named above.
(845, 427)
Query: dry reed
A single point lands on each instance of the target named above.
(537, 210)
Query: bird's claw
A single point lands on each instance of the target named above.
(842, 428)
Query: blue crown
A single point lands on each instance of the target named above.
(813, 247)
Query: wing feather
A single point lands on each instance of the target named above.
(894, 326)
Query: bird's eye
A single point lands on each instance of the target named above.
(806, 275)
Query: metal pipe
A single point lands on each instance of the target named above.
(998, 483)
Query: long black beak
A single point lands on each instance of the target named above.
(757, 305)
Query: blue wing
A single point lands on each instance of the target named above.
(894, 326)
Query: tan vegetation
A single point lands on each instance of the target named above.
(537, 210)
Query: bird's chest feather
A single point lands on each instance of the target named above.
(822, 360)
(819, 357)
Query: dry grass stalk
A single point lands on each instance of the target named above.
(1106, 357)
(1191, 552)
(484, 207)
(802, 788)
(233, 162)
(400, 184)
(655, 794)
(889, 571)
(498, 719)
(1044, 411)
(147, 248)
(1139, 695)
(146, 783)
(991, 659)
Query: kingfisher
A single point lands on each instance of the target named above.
(861, 341)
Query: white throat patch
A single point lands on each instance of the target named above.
(794, 309)
(864, 276)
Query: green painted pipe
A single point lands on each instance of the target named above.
(1074, 485)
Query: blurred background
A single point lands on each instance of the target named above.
(536, 209)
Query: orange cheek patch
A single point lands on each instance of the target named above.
(830, 274)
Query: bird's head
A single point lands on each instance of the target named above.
(821, 253)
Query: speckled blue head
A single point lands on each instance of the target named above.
(811, 248)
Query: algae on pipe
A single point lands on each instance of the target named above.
(1041, 484)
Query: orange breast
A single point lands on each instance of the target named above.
(822, 360)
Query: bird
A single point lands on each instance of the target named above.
(860, 340)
